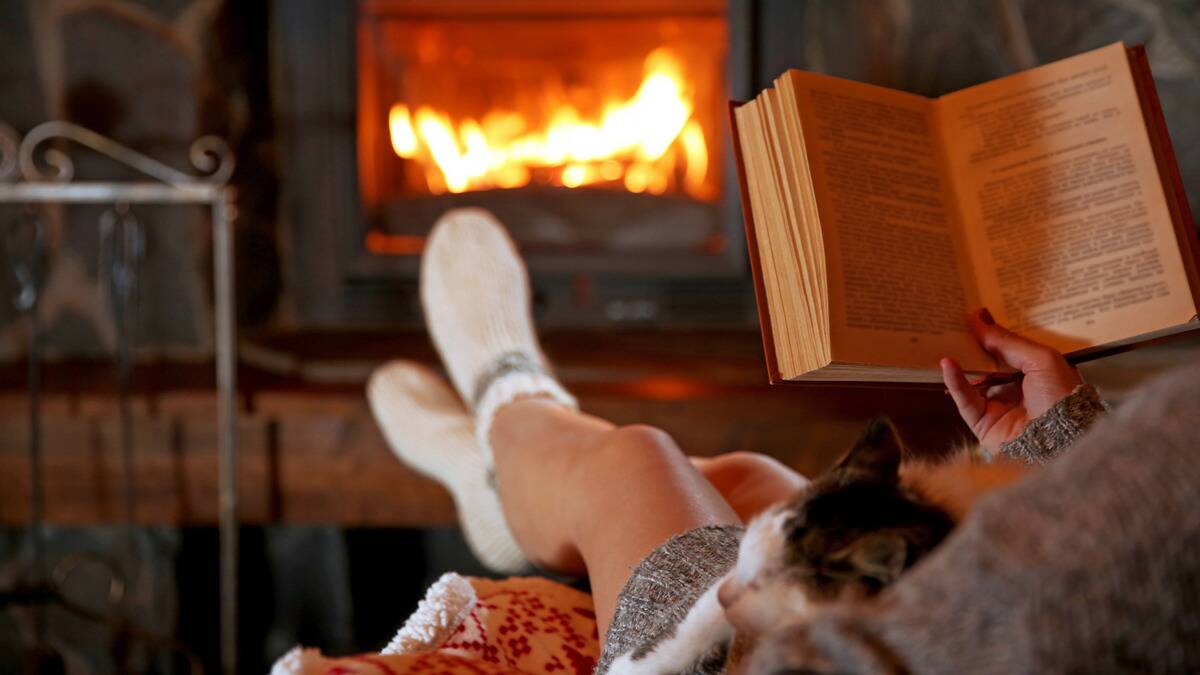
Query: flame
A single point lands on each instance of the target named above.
(404, 141)
(638, 143)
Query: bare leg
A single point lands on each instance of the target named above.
(584, 495)
(579, 494)
(562, 517)
(750, 482)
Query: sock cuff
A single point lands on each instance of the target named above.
(507, 388)
(507, 363)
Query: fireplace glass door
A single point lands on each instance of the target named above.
(589, 128)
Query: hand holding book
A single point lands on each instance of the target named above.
(1001, 412)
(875, 218)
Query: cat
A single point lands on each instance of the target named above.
(846, 535)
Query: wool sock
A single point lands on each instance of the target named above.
(475, 292)
(429, 429)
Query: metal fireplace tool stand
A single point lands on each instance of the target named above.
(23, 182)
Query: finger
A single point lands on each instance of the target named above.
(1011, 349)
(970, 403)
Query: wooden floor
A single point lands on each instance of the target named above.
(310, 452)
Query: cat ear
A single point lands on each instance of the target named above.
(875, 456)
(879, 556)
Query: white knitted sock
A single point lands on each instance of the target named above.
(428, 428)
(475, 292)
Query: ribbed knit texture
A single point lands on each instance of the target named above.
(1056, 429)
(429, 429)
(475, 293)
(664, 586)
(506, 389)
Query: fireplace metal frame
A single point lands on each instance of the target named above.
(335, 281)
(23, 182)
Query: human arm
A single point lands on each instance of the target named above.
(1034, 417)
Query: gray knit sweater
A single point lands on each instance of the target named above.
(1091, 565)
(1045, 437)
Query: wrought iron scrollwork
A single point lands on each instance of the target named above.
(36, 170)
(38, 162)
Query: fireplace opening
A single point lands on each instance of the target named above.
(587, 129)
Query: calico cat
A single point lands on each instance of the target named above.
(846, 535)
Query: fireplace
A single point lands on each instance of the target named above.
(596, 131)
(589, 131)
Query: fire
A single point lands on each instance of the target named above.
(648, 143)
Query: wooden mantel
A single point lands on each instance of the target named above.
(310, 452)
(302, 459)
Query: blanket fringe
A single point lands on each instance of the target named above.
(446, 605)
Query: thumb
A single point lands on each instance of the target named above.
(1009, 348)
(970, 403)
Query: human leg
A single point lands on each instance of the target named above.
(749, 481)
(584, 495)
(430, 429)
(578, 492)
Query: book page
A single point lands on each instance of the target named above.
(1061, 203)
(794, 249)
(791, 341)
(899, 283)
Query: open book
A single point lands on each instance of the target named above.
(876, 219)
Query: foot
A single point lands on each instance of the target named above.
(475, 292)
(429, 429)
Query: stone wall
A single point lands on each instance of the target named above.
(933, 47)
(153, 76)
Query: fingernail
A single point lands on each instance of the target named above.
(986, 317)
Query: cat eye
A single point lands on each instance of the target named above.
(793, 526)
(836, 571)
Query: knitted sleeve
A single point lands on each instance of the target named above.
(1055, 430)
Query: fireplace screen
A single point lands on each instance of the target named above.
(592, 126)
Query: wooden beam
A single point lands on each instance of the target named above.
(309, 457)
(311, 453)
(311, 468)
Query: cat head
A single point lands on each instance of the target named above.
(847, 534)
